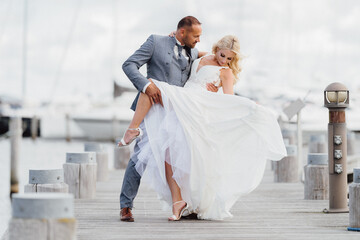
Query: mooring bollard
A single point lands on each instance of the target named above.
(354, 202)
(80, 174)
(42, 216)
(51, 180)
(316, 185)
(289, 136)
(15, 143)
(102, 160)
(317, 144)
(286, 170)
(121, 155)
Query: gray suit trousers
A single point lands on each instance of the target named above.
(132, 178)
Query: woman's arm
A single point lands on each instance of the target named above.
(227, 80)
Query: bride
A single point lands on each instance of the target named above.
(205, 149)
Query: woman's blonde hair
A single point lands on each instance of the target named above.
(231, 43)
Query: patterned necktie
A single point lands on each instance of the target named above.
(181, 58)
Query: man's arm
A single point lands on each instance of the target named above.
(131, 68)
(132, 65)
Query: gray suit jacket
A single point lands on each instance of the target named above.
(158, 55)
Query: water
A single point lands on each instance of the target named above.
(38, 154)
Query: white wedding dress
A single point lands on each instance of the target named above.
(217, 144)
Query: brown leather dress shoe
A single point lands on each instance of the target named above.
(126, 215)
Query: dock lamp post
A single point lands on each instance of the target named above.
(336, 99)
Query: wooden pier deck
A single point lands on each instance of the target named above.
(272, 211)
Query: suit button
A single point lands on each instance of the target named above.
(169, 52)
(167, 74)
(167, 63)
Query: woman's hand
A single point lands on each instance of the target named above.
(211, 87)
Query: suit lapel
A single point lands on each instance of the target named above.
(171, 45)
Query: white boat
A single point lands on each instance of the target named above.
(106, 122)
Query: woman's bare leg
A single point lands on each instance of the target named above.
(142, 108)
(174, 188)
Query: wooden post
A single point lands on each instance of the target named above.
(121, 155)
(114, 128)
(316, 186)
(289, 136)
(34, 127)
(42, 216)
(51, 180)
(67, 127)
(286, 170)
(80, 174)
(354, 202)
(317, 144)
(15, 140)
(102, 160)
(299, 144)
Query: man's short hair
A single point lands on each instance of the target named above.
(188, 22)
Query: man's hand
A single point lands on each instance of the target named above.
(210, 87)
(154, 93)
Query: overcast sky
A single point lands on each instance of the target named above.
(77, 47)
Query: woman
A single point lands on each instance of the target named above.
(205, 149)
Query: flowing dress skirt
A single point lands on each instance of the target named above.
(217, 145)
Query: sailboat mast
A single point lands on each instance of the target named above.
(24, 60)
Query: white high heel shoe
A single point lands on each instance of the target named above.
(177, 218)
(122, 141)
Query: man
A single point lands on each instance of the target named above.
(168, 59)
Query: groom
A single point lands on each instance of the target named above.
(169, 60)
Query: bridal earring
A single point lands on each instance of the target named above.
(122, 141)
(177, 218)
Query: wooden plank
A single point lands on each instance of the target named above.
(272, 211)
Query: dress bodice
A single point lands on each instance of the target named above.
(206, 74)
